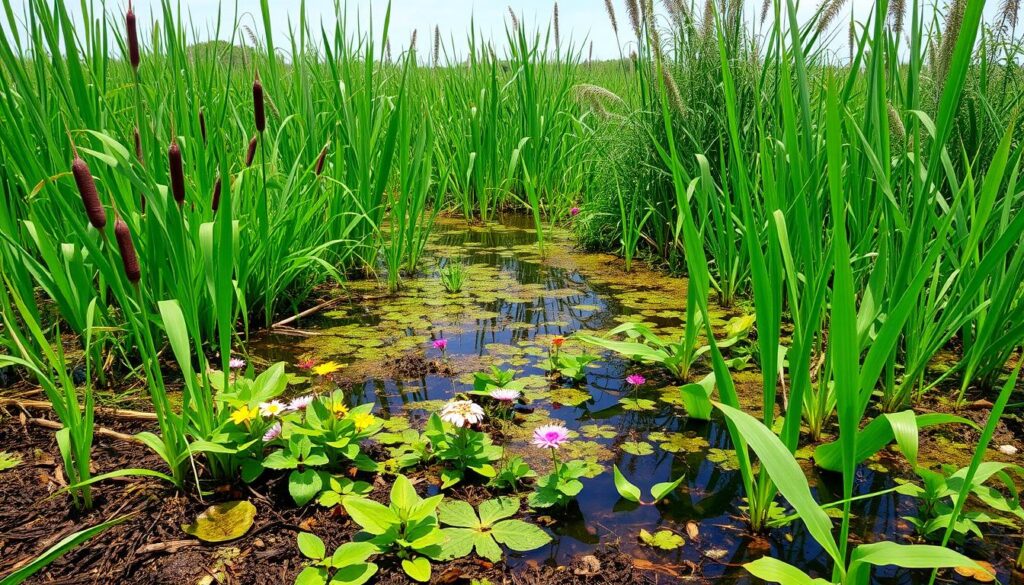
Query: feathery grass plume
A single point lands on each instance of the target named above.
(412, 41)
(321, 159)
(129, 260)
(647, 8)
(633, 12)
(896, 128)
(707, 23)
(258, 112)
(674, 97)
(590, 93)
(558, 36)
(827, 13)
(852, 41)
(87, 190)
(202, 124)
(515, 21)
(215, 200)
(590, 54)
(950, 36)
(250, 152)
(437, 46)
(1009, 12)
(675, 12)
(132, 37)
(610, 8)
(897, 11)
(387, 48)
(177, 172)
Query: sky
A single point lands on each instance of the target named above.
(582, 21)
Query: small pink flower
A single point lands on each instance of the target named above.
(236, 363)
(441, 344)
(272, 433)
(306, 364)
(574, 211)
(505, 394)
(636, 379)
(301, 402)
(550, 436)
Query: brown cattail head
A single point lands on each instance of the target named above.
(250, 154)
(132, 35)
(87, 189)
(177, 172)
(128, 258)
(321, 159)
(257, 104)
(202, 124)
(215, 201)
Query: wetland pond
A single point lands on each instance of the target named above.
(513, 303)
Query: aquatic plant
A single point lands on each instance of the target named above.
(485, 531)
(406, 528)
(460, 448)
(453, 276)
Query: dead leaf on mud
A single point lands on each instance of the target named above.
(222, 522)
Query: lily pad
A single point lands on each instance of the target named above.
(663, 539)
(637, 448)
(222, 522)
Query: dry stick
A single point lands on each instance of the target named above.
(101, 431)
(112, 412)
(306, 313)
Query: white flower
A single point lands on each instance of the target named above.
(505, 394)
(1007, 449)
(301, 402)
(272, 408)
(272, 433)
(462, 413)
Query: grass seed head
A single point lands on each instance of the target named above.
(321, 159)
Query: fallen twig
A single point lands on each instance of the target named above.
(102, 411)
(100, 431)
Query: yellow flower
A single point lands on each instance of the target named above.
(363, 421)
(339, 410)
(244, 414)
(326, 368)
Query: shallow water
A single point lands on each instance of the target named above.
(513, 303)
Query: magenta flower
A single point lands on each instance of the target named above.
(550, 436)
(574, 211)
(441, 344)
(272, 433)
(505, 394)
(636, 379)
(236, 363)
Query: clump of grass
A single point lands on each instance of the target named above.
(453, 275)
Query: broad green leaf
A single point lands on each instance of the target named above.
(486, 547)
(375, 518)
(458, 542)
(312, 576)
(304, 485)
(311, 546)
(457, 513)
(661, 490)
(497, 509)
(626, 489)
(352, 553)
(663, 539)
(908, 556)
(356, 574)
(519, 535)
(418, 569)
(776, 571)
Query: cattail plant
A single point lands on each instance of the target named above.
(132, 37)
(137, 138)
(250, 154)
(215, 200)
(87, 189)
(321, 159)
(129, 260)
(258, 112)
(202, 124)
(177, 172)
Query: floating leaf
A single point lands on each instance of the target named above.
(638, 448)
(663, 539)
(638, 404)
(222, 522)
(984, 574)
(593, 431)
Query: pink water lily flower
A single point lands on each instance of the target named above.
(636, 380)
(505, 394)
(236, 363)
(550, 436)
(441, 344)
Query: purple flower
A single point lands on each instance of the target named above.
(301, 402)
(441, 344)
(236, 364)
(505, 394)
(574, 211)
(550, 436)
(272, 433)
(636, 379)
